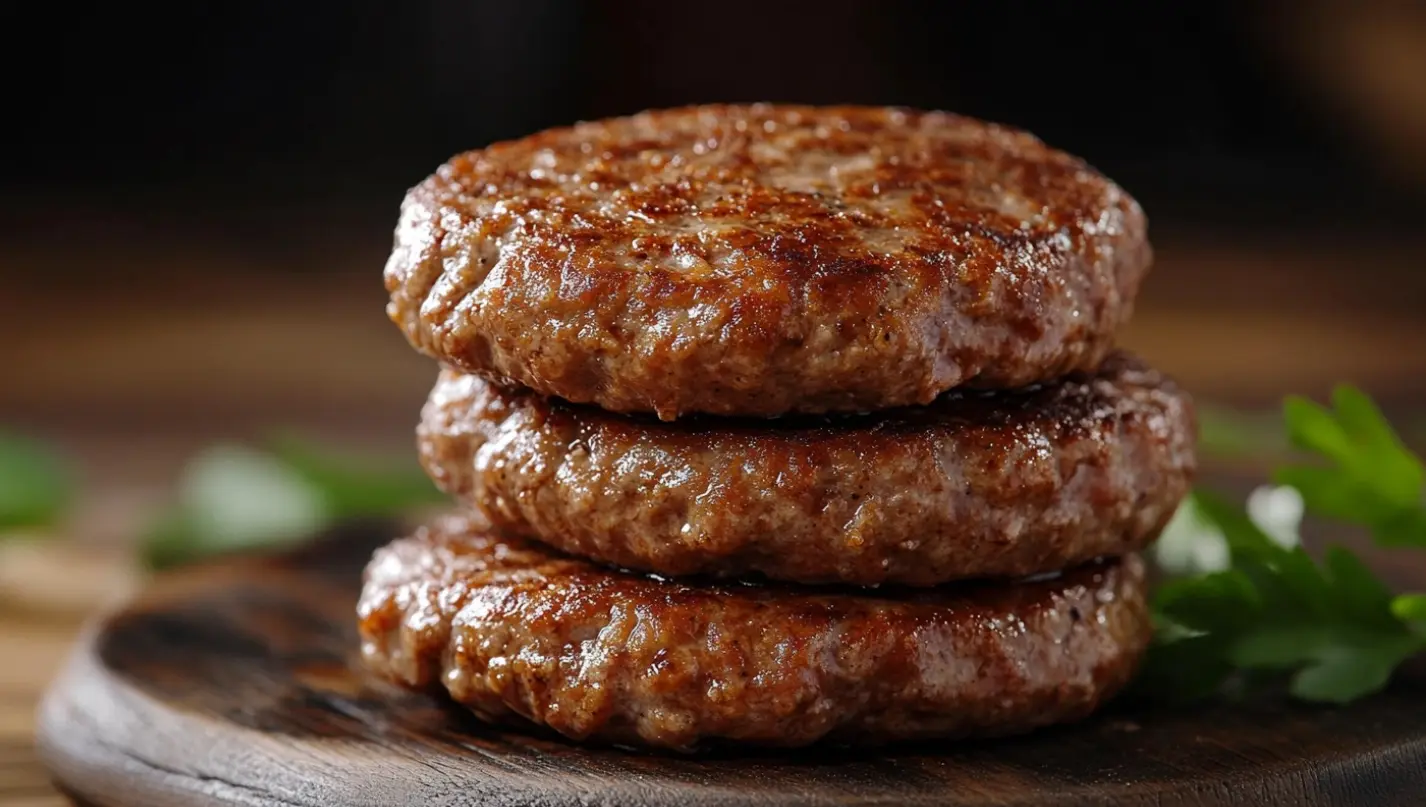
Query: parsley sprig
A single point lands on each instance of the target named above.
(35, 484)
(1269, 609)
(235, 498)
(1372, 481)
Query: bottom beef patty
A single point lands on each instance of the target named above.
(512, 629)
(1001, 484)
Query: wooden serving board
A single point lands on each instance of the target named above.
(238, 684)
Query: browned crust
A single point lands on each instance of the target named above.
(512, 630)
(979, 484)
(759, 260)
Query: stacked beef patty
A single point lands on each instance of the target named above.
(773, 424)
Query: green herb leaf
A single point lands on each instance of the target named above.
(353, 486)
(1360, 597)
(1278, 646)
(35, 486)
(1371, 478)
(1410, 608)
(234, 498)
(1190, 543)
(1334, 629)
(1245, 539)
(1312, 427)
(1213, 602)
(1345, 671)
(1404, 528)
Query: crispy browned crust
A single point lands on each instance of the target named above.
(760, 260)
(977, 484)
(512, 630)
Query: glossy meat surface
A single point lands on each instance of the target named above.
(759, 260)
(511, 629)
(976, 484)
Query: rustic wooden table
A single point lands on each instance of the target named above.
(189, 343)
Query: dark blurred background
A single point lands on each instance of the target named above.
(1235, 114)
(198, 199)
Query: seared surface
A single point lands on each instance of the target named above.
(766, 259)
(976, 484)
(511, 629)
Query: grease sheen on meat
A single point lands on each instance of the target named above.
(975, 484)
(759, 260)
(512, 630)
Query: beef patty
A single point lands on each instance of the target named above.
(512, 629)
(976, 484)
(759, 260)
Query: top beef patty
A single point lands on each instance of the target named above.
(758, 260)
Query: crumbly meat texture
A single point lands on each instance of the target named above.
(974, 485)
(511, 629)
(758, 260)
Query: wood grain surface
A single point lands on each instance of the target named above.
(31, 651)
(238, 684)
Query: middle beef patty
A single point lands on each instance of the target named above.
(977, 484)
